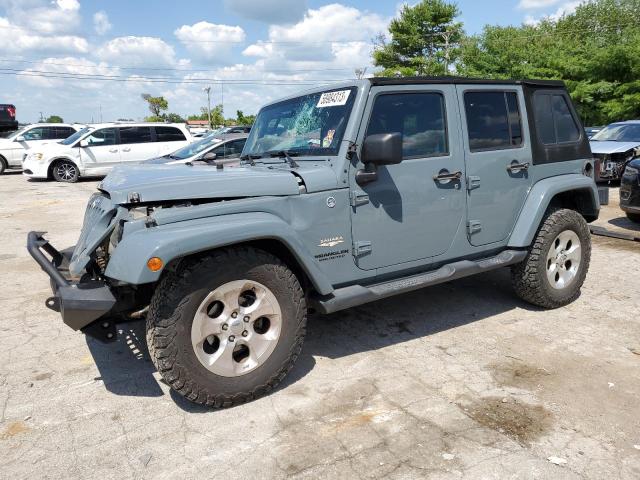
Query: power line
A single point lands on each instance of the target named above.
(67, 76)
(44, 62)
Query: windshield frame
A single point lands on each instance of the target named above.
(613, 127)
(212, 142)
(80, 135)
(302, 153)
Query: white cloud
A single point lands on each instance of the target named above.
(565, 9)
(65, 66)
(328, 37)
(138, 51)
(43, 17)
(17, 39)
(536, 4)
(210, 41)
(101, 22)
(269, 11)
(68, 5)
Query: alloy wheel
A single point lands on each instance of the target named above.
(236, 328)
(563, 259)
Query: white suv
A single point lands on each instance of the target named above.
(94, 150)
(21, 142)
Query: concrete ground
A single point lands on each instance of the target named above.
(462, 380)
(614, 220)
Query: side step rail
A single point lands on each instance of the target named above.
(355, 295)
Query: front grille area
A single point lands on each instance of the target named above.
(96, 226)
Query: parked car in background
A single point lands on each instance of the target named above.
(613, 147)
(591, 131)
(14, 147)
(630, 190)
(95, 149)
(215, 149)
(229, 131)
(8, 117)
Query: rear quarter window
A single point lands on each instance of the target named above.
(169, 134)
(554, 121)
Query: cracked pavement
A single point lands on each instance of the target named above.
(461, 380)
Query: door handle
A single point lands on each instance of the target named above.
(444, 176)
(113, 150)
(516, 167)
(126, 149)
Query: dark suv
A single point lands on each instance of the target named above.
(8, 120)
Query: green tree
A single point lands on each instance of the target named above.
(242, 119)
(173, 118)
(423, 41)
(595, 50)
(54, 119)
(156, 104)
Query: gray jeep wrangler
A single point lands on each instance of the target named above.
(346, 195)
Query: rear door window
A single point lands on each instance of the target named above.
(169, 134)
(130, 135)
(493, 120)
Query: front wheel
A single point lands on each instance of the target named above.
(65, 171)
(226, 328)
(555, 268)
(3, 165)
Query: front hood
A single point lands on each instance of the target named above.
(612, 147)
(155, 183)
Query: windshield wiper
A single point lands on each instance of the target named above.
(250, 157)
(286, 154)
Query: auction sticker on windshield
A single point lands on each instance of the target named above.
(333, 99)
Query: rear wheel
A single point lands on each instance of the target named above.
(65, 171)
(226, 328)
(634, 217)
(556, 266)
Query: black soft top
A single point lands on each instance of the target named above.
(381, 81)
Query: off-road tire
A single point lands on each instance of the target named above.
(58, 177)
(634, 217)
(529, 277)
(171, 314)
(3, 165)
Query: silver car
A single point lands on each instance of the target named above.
(613, 147)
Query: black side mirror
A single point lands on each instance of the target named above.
(379, 149)
(382, 149)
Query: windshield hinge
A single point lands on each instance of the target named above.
(358, 198)
(352, 149)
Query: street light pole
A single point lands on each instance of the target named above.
(208, 90)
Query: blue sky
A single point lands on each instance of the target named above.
(259, 49)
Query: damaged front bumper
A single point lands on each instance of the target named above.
(85, 304)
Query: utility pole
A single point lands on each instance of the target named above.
(447, 36)
(41, 118)
(360, 73)
(208, 90)
(100, 113)
(222, 100)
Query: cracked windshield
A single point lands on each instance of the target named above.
(309, 125)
